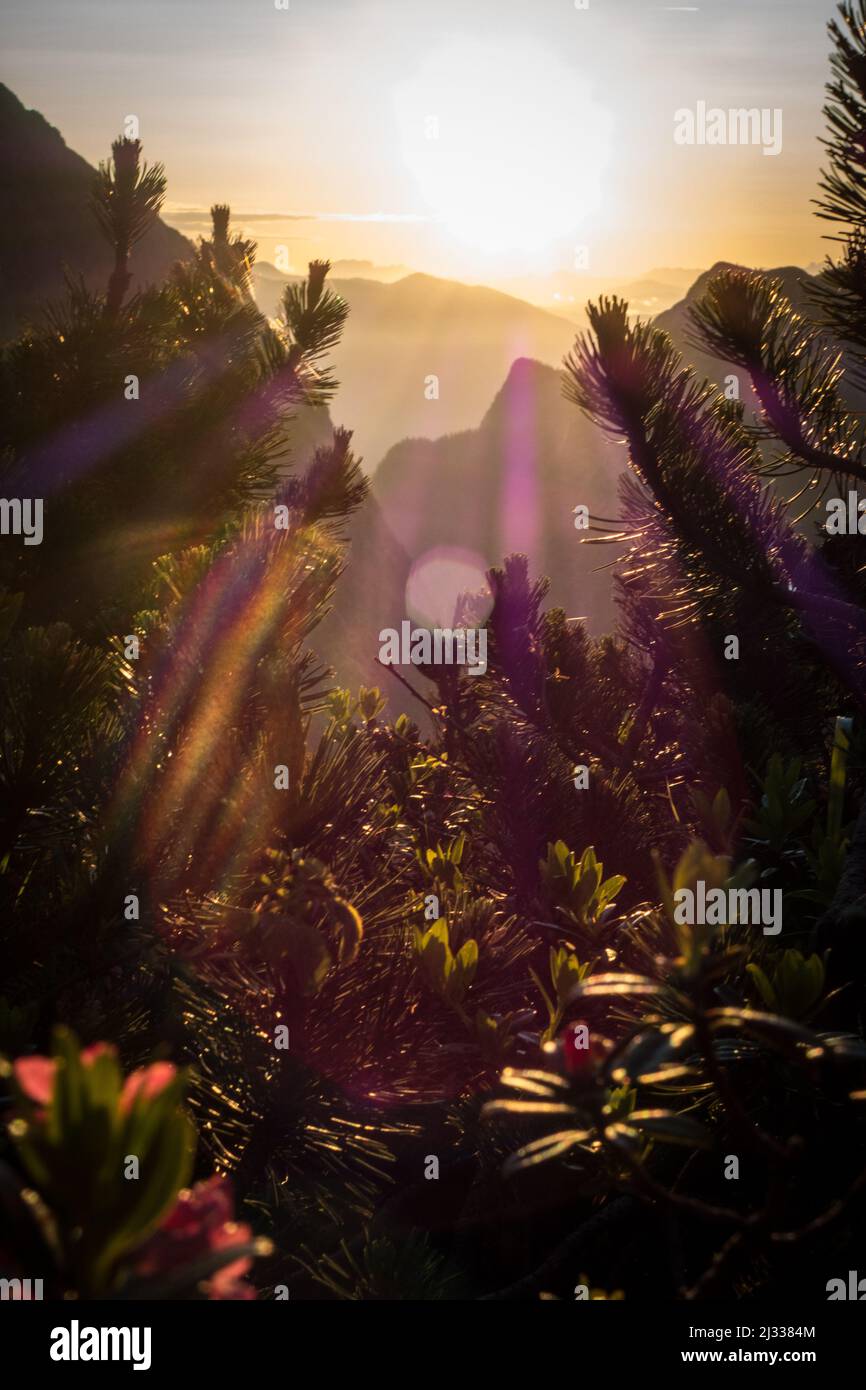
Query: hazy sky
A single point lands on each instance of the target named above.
(475, 138)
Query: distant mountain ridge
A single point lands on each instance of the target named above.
(676, 321)
(423, 356)
(566, 292)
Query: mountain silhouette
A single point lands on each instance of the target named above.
(676, 321)
(399, 336)
(512, 485)
(47, 223)
(48, 229)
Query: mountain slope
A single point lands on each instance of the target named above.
(512, 484)
(47, 223)
(400, 335)
(676, 321)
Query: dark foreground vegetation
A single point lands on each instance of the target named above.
(405, 1010)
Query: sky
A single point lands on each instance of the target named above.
(478, 139)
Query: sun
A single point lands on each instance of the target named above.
(505, 142)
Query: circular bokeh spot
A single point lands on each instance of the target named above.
(438, 580)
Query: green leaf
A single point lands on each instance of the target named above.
(770, 1028)
(165, 1169)
(521, 1081)
(768, 994)
(548, 1002)
(838, 775)
(617, 986)
(610, 888)
(467, 960)
(526, 1107)
(671, 1128)
(547, 1078)
(543, 1150)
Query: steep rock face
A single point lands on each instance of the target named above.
(47, 225)
(512, 485)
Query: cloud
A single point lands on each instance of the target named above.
(194, 216)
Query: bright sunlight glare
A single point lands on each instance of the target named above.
(506, 143)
